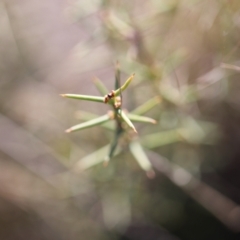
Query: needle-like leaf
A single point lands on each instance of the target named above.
(84, 97)
(100, 86)
(137, 118)
(94, 158)
(141, 157)
(124, 86)
(145, 107)
(160, 138)
(90, 123)
(128, 121)
(86, 116)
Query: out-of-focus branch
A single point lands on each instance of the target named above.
(27, 150)
(223, 208)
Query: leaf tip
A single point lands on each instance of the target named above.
(117, 65)
(106, 161)
(94, 79)
(132, 76)
(154, 121)
(62, 95)
(134, 129)
(68, 130)
(151, 174)
(158, 99)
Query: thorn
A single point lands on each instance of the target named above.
(158, 99)
(111, 114)
(117, 65)
(151, 174)
(68, 130)
(106, 161)
(134, 129)
(62, 95)
(94, 79)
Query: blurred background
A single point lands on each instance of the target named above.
(185, 52)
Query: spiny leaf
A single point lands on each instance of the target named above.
(84, 97)
(128, 121)
(86, 116)
(160, 138)
(141, 157)
(124, 86)
(100, 86)
(145, 107)
(90, 123)
(137, 118)
(94, 158)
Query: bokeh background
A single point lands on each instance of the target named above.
(186, 52)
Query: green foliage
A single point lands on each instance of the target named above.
(185, 54)
(121, 117)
